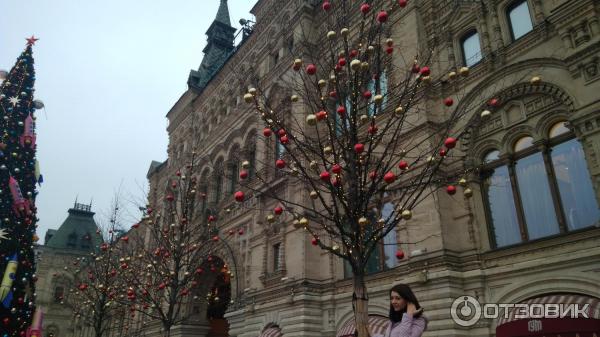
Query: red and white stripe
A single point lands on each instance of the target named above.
(593, 310)
(377, 324)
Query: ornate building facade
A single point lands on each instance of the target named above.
(529, 232)
(77, 237)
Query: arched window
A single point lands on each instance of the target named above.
(234, 172)
(279, 149)
(519, 19)
(59, 294)
(538, 193)
(471, 48)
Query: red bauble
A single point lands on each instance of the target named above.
(125, 239)
(6, 321)
(333, 94)
(281, 132)
(199, 271)
(493, 102)
(326, 6)
(359, 148)
(365, 8)
(416, 68)
(104, 247)
(314, 241)
(367, 94)
(425, 71)
(353, 53)
(382, 16)
(241, 231)
(211, 218)
(296, 67)
(336, 169)
(280, 163)
(448, 101)
(402, 3)
(443, 152)
(278, 210)
(451, 189)
(373, 175)
(338, 68)
(389, 50)
(170, 197)
(231, 232)
(243, 174)
(321, 115)
(341, 110)
(215, 238)
(403, 165)
(372, 129)
(311, 69)
(389, 177)
(284, 140)
(162, 286)
(135, 225)
(450, 142)
(178, 173)
(325, 176)
(342, 61)
(239, 196)
(336, 182)
(267, 132)
(400, 254)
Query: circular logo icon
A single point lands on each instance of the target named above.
(465, 310)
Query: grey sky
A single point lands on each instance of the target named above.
(108, 71)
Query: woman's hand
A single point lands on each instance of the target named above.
(411, 309)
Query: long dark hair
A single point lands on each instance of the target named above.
(407, 294)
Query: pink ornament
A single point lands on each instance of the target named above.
(389, 177)
(243, 174)
(450, 142)
(403, 165)
(367, 94)
(450, 189)
(278, 210)
(402, 3)
(311, 69)
(326, 6)
(365, 8)
(336, 169)
(359, 148)
(325, 176)
(448, 101)
(399, 254)
(425, 71)
(267, 132)
(239, 196)
(280, 163)
(382, 16)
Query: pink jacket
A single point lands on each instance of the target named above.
(407, 327)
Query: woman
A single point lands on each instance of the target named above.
(406, 315)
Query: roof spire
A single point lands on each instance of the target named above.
(223, 13)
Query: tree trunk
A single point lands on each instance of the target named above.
(360, 304)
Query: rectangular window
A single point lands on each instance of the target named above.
(218, 187)
(277, 257)
(519, 19)
(59, 293)
(502, 207)
(471, 49)
(279, 149)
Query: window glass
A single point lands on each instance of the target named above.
(491, 156)
(519, 19)
(574, 185)
(536, 199)
(390, 242)
(382, 91)
(471, 49)
(502, 207)
(523, 143)
(558, 129)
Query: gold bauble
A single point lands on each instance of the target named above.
(322, 83)
(344, 32)
(245, 164)
(364, 66)
(370, 49)
(378, 99)
(468, 192)
(311, 119)
(303, 222)
(399, 111)
(355, 65)
(464, 71)
(313, 165)
(252, 91)
(362, 221)
(294, 98)
(270, 218)
(298, 62)
(314, 195)
(462, 182)
(248, 98)
(364, 119)
(327, 150)
(294, 172)
(406, 214)
(331, 35)
(426, 79)
(452, 75)
(535, 80)
(296, 224)
(335, 248)
(486, 113)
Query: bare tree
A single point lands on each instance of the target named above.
(363, 119)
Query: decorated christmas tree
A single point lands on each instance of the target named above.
(18, 178)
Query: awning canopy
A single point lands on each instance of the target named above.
(272, 332)
(566, 326)
(592, 311)
(377, 324)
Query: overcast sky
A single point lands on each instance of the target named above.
(108, 72)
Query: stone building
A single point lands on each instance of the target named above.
(530, 231)
(77, 237)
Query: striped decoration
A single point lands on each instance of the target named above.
(593, 311)
(377, 323)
